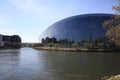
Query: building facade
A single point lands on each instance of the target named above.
(10, 41)
(87, 28)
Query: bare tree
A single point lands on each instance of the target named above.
(113, 26)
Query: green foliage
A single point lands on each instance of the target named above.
(50, 45)
(56, 45)
(100, 45)
(37, 45)
(75, 45)
(87, 45)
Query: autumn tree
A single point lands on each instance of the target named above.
(113, 26)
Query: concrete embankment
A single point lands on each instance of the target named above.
(76, 49)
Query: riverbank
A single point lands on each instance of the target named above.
(117, 77)
(4, 48)
(76, 49)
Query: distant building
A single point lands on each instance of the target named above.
(49, 40)
(61, 42)
(10, 41)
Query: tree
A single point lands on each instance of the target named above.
(87, 45)
(56, 45)
(37, 45)
(75, 45)
(117, 8)
(51, 45)
(113, 26)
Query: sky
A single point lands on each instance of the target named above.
(29, 18)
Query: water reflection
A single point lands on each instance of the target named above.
(30, 64)
(82, 65)
(9, 61)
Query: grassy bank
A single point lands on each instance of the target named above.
(76, 49)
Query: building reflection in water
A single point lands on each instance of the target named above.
(30, 64)
(82, 65)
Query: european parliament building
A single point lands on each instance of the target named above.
(80, 28)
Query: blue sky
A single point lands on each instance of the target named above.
(29, 18)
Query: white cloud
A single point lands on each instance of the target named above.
(28, 6)
(45, 10)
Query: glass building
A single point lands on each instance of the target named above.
(87, 27)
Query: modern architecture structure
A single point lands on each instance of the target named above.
(80, 29)
(10, 41)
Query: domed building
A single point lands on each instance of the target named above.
(80, 28)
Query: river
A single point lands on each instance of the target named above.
(31, 64)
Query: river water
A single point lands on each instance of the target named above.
(31, 64)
